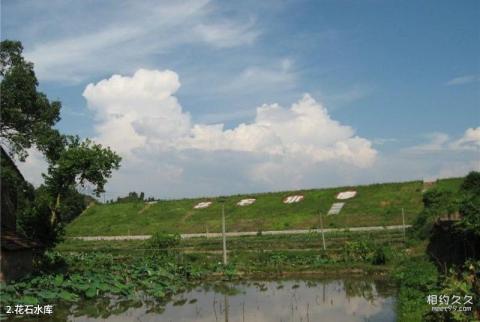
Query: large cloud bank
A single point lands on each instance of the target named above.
(141, 113)
(166, 154)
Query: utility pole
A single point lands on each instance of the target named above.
(223, 236)
(321, 230)
(403, 222)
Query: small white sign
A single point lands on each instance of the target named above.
(293, 199)
(246, 202)
(346, 195)
(201, 205)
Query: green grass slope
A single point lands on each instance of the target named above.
(374, 205)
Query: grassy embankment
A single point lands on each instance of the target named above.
(374, 205)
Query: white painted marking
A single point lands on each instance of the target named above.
(346, 195)
(336, 208)
(293, 199)
(202, 205)
(246, 202)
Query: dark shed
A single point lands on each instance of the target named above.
(16, 251)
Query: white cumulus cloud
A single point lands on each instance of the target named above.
(469, 141)
(132, 112)
(141, 111)
(440, 142)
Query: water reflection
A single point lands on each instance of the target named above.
(262, 301)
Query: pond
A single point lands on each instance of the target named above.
(345, 300)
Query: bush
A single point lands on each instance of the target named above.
(379, 257)
(163, 241)
(463, 282)
(471, 183)
(35, 221)
(437, 203)
(358, 251)
(416, 278)
(470, 211)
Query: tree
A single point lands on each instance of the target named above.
(27, 115)
(471, 183)
(57, 201)
(470, 204)
(74, 203)
(34, 221)
(27, 120)
(79, 162)
(437, 202)
(132, 197)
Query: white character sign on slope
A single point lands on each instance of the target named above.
(201, 205)
(293, 199)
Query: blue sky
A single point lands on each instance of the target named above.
(404, 77)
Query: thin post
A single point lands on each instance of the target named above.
(223, 236)
(403, 225)
(226, 306)
(346, 224)
(323, 297)
(321, 230)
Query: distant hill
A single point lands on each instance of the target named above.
(374, 205)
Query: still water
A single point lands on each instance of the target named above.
(261, 301)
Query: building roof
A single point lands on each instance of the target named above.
(13, 241)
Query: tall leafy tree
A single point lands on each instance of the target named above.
(27, 115)
(79, 163)
(27, 120)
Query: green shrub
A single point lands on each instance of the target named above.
(379, 257)
(417, 278)
(471, 183)
(437, 202)
(462, 282)
(229, 271)
(358, 250)
(162, 241)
